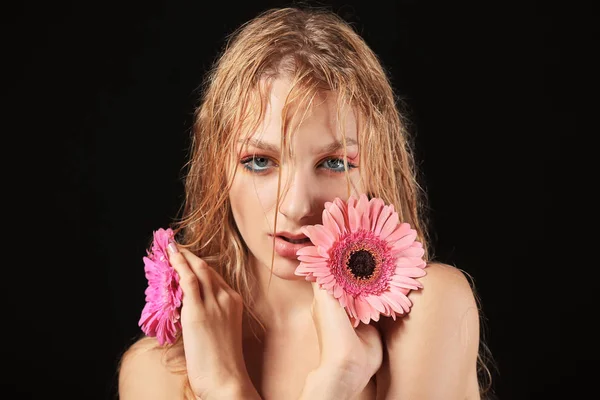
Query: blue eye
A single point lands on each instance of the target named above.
(260, 164)
(336, 165)
(256, 163)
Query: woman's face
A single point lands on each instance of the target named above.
(312, 176)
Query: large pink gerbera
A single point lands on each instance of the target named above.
(364, 257)
(160, 316)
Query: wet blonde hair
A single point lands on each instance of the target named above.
(318, 52)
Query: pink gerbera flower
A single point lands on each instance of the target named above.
(160, 316)
(364, 257)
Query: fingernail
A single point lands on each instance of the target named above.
(172, 247)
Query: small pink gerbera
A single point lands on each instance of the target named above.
(364, 257)
(160, 316)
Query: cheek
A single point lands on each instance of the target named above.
(252, 199)
(358, 186)
(238, 200)
(332, 188)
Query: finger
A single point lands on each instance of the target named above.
(229, 300)
(369, 333)
(232, 293)
(188, 281)
(225, 296)
(203, 274)
(218, 279)
(318, 292)
(219, 283)
(371, 336)
(324, 300)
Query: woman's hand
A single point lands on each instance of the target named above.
(211, 321)
(349, 356)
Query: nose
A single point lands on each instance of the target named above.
(297, 202)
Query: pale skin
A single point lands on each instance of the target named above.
(310, 349)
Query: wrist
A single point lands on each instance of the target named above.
(328, 384)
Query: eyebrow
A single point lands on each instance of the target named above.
(334, 146)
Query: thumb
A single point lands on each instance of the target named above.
(326, 308)
(372, 338)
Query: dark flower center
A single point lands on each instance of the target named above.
(361, 264)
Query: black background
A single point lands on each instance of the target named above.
(98, 98)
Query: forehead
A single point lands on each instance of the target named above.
(302, 114)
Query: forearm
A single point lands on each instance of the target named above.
(239, 391)
(327, 385)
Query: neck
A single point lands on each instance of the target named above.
(281, 302)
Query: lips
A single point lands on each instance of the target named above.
(286, 245)
(295, 241)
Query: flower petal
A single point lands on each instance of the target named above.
(325, 279)
(411, 272)
(413, 251)
(375, 207)
(318, 235)
(328, 285)
(337, 291)
(343, 207)
(331, 224)
(363, 310)
(305, 268)
(365, 222)
(401, 299)
(405, 282)
(383, 216)
(351, 201)
(354, 219)
(408, 262)
(376, 303)
(343, 300)
(311, 259)
(389, 226)
(308, 251)
(392, 302)
(338, 215)
(350, 306)
(401, 231)
(323, 252)
(405, 242)
(375, 315)
(362, 206)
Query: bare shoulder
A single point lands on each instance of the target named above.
(446, 294)
(432, 350)
(148, 371)
(446, 302)
(444, 286)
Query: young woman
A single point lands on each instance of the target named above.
(296, 112)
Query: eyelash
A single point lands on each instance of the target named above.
(247, 160)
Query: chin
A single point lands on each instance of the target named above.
(283, 268)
